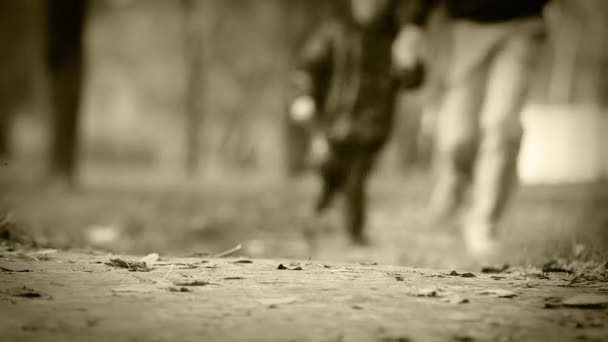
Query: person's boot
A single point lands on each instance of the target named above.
(480, 239)
(360, 239)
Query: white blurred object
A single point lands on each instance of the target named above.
(102, 235)
(150, 259)
(319, 149)
(407, 49)
(256, 248)
(302, 109)
(578, 250)
(564, 144)
(479, 239)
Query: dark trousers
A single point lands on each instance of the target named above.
(347, 172)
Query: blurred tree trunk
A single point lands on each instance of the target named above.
(17, 40)
(4, 133)
(65, 27)
(194, 42)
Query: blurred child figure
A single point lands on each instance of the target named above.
(493, 49)
(346, 86)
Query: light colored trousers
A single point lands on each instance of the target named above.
(485, 86)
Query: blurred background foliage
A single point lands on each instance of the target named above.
(174, 88)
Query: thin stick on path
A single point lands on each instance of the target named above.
(170, 270)
(228, 252)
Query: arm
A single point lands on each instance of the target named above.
(310, 80)
(408, 48)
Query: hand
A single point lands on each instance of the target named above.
(319, 150)
(302, 109)
(407, 49)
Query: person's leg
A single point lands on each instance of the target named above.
(456, 142)
(330, 184)
(332, 174)
(355, 192)
(501, 132)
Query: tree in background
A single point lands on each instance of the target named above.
(194, 25)
(16, 30)
(65, 27)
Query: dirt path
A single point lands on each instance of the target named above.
(71, 296)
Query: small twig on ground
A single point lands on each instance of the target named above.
(168, 272)
(29, 256)
(228, 252)
(185, 263)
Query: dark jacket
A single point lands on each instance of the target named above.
(485, 11)
(348, 71)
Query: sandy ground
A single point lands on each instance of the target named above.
(49, 295)
(61, 288)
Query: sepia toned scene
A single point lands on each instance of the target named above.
(304, 170)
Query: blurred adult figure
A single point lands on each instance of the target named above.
(493, 50)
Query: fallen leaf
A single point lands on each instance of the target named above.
(133, 266)
(198, 255)
(537, 276)
(132, 289)
(463, 275)
(435, 275)
(283, 268)
(430, 292)
(463, 338)
(368, 263)
(499, 293)
(553, 302)
(193, 283)
(495, 269)
(456, 300)
(26, 292)
(274, 302)
(188, 267)
(395, 339)
(590, 301)
(554, 267)
(6, 269)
